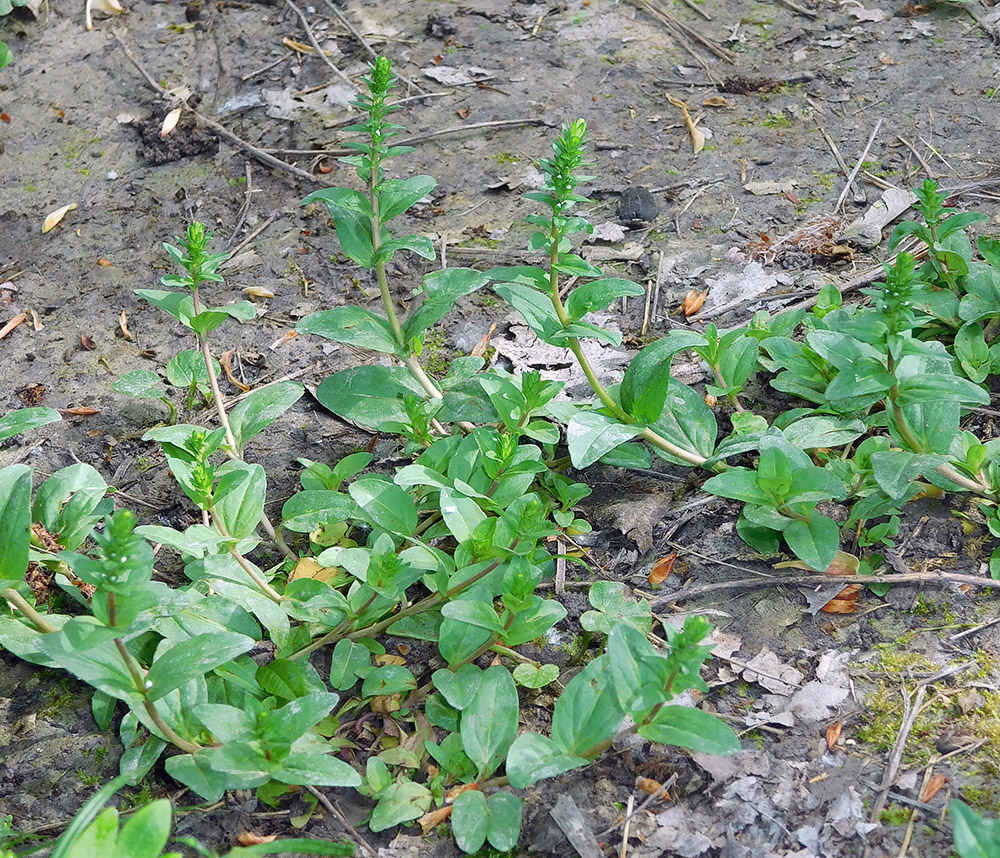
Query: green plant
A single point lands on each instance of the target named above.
(975, 837)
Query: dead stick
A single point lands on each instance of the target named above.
(364, 42)
(213, 126)
(795, 7)
(857, 167)
(328, 805)
(932, 578)
(312, 41)
(927, 167)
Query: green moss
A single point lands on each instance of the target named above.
(504, 158)
(894, 814)
(776, 120)
(58, 700)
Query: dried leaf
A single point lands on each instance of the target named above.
(430, 821)
(36, 323)
(104, 263)
(833, 733)
(716, 101)
(693, 301)
(455, 792)
(87, 342)
(697, 138)
(53, 218)
(661, 570)
(108, 7)
(258, 292)
(843, 564)
(80, 411)
(933, 787)
(463, 112)
(286, 338)
(386, 703)
(323, 168)
(402, 649)
(479, 349)
(170, 121)
(248, 838)
(383, 660)
(302, 48)
(845, 602)
(307, 567)
(19, 319)
(5, 117)
(652, 787)
(225, 361)
(123, 324)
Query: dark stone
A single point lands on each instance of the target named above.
(636, 205)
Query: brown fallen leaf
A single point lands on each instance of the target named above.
(87, 342)
(845, 602)
(933, 787)
(79, 411)
(455, 792)
(301, 48)
(225, 361)
(19, 319)
(661, 570)
(36, 323)
(383, 660)
(170, 122)
(285, 338)
(479, 349)
(249, 838)
(123, 324)
(693, 301)
(833, 733)
(108, 7)
(105, 263)
(307, 567)
(716, 101)
(843, 564)
(258, 292)
(652, 787)
(323, 168)
(697, 138)
(386, 703)
(432, 819)
(52, 219)
(463, 112)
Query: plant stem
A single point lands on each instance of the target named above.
(16, 600)
(154, 716)
(213, 380)
(266, 588)
(574, 346)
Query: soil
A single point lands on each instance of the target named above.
(82, 126)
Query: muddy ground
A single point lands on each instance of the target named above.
(82, 126)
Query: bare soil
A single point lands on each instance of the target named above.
(84, 128)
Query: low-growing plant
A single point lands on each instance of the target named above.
(451, 547)
(974, 836)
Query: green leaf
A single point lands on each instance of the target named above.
(288, 679)
(311, 769)
(576, 266)
(686, 421)
(26, 419)
(737, 484)
(370, 395)
(385, 504)
(352, 218)
(461, 514)
(587, 712)
(261, 408)
(86, 649)
(211, 317)
(187, 367)
(535, 676)
(295, 846)
(6, 54)
(401, 802)
(15, 523)
(395, 196)
(612, 607)
(598, 294)
(591, 435)
(974, 836)
(475, 613)
(541, 616)
(687, 727)
(86, 815)
(239, 498)
(389, 679)
(489, 722)
(140, 384)
(193, 658)
(350, 662)
(503, 827)
(535, 307)
(644, 388)
(308, 510)
(533, 757)
(823, 431)
(468, 820)
(145, 834)
(353, 325)
(441, 289)
(815, 542)
(418, 244)
(458, 687)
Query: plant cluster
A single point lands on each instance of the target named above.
(451, 548)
